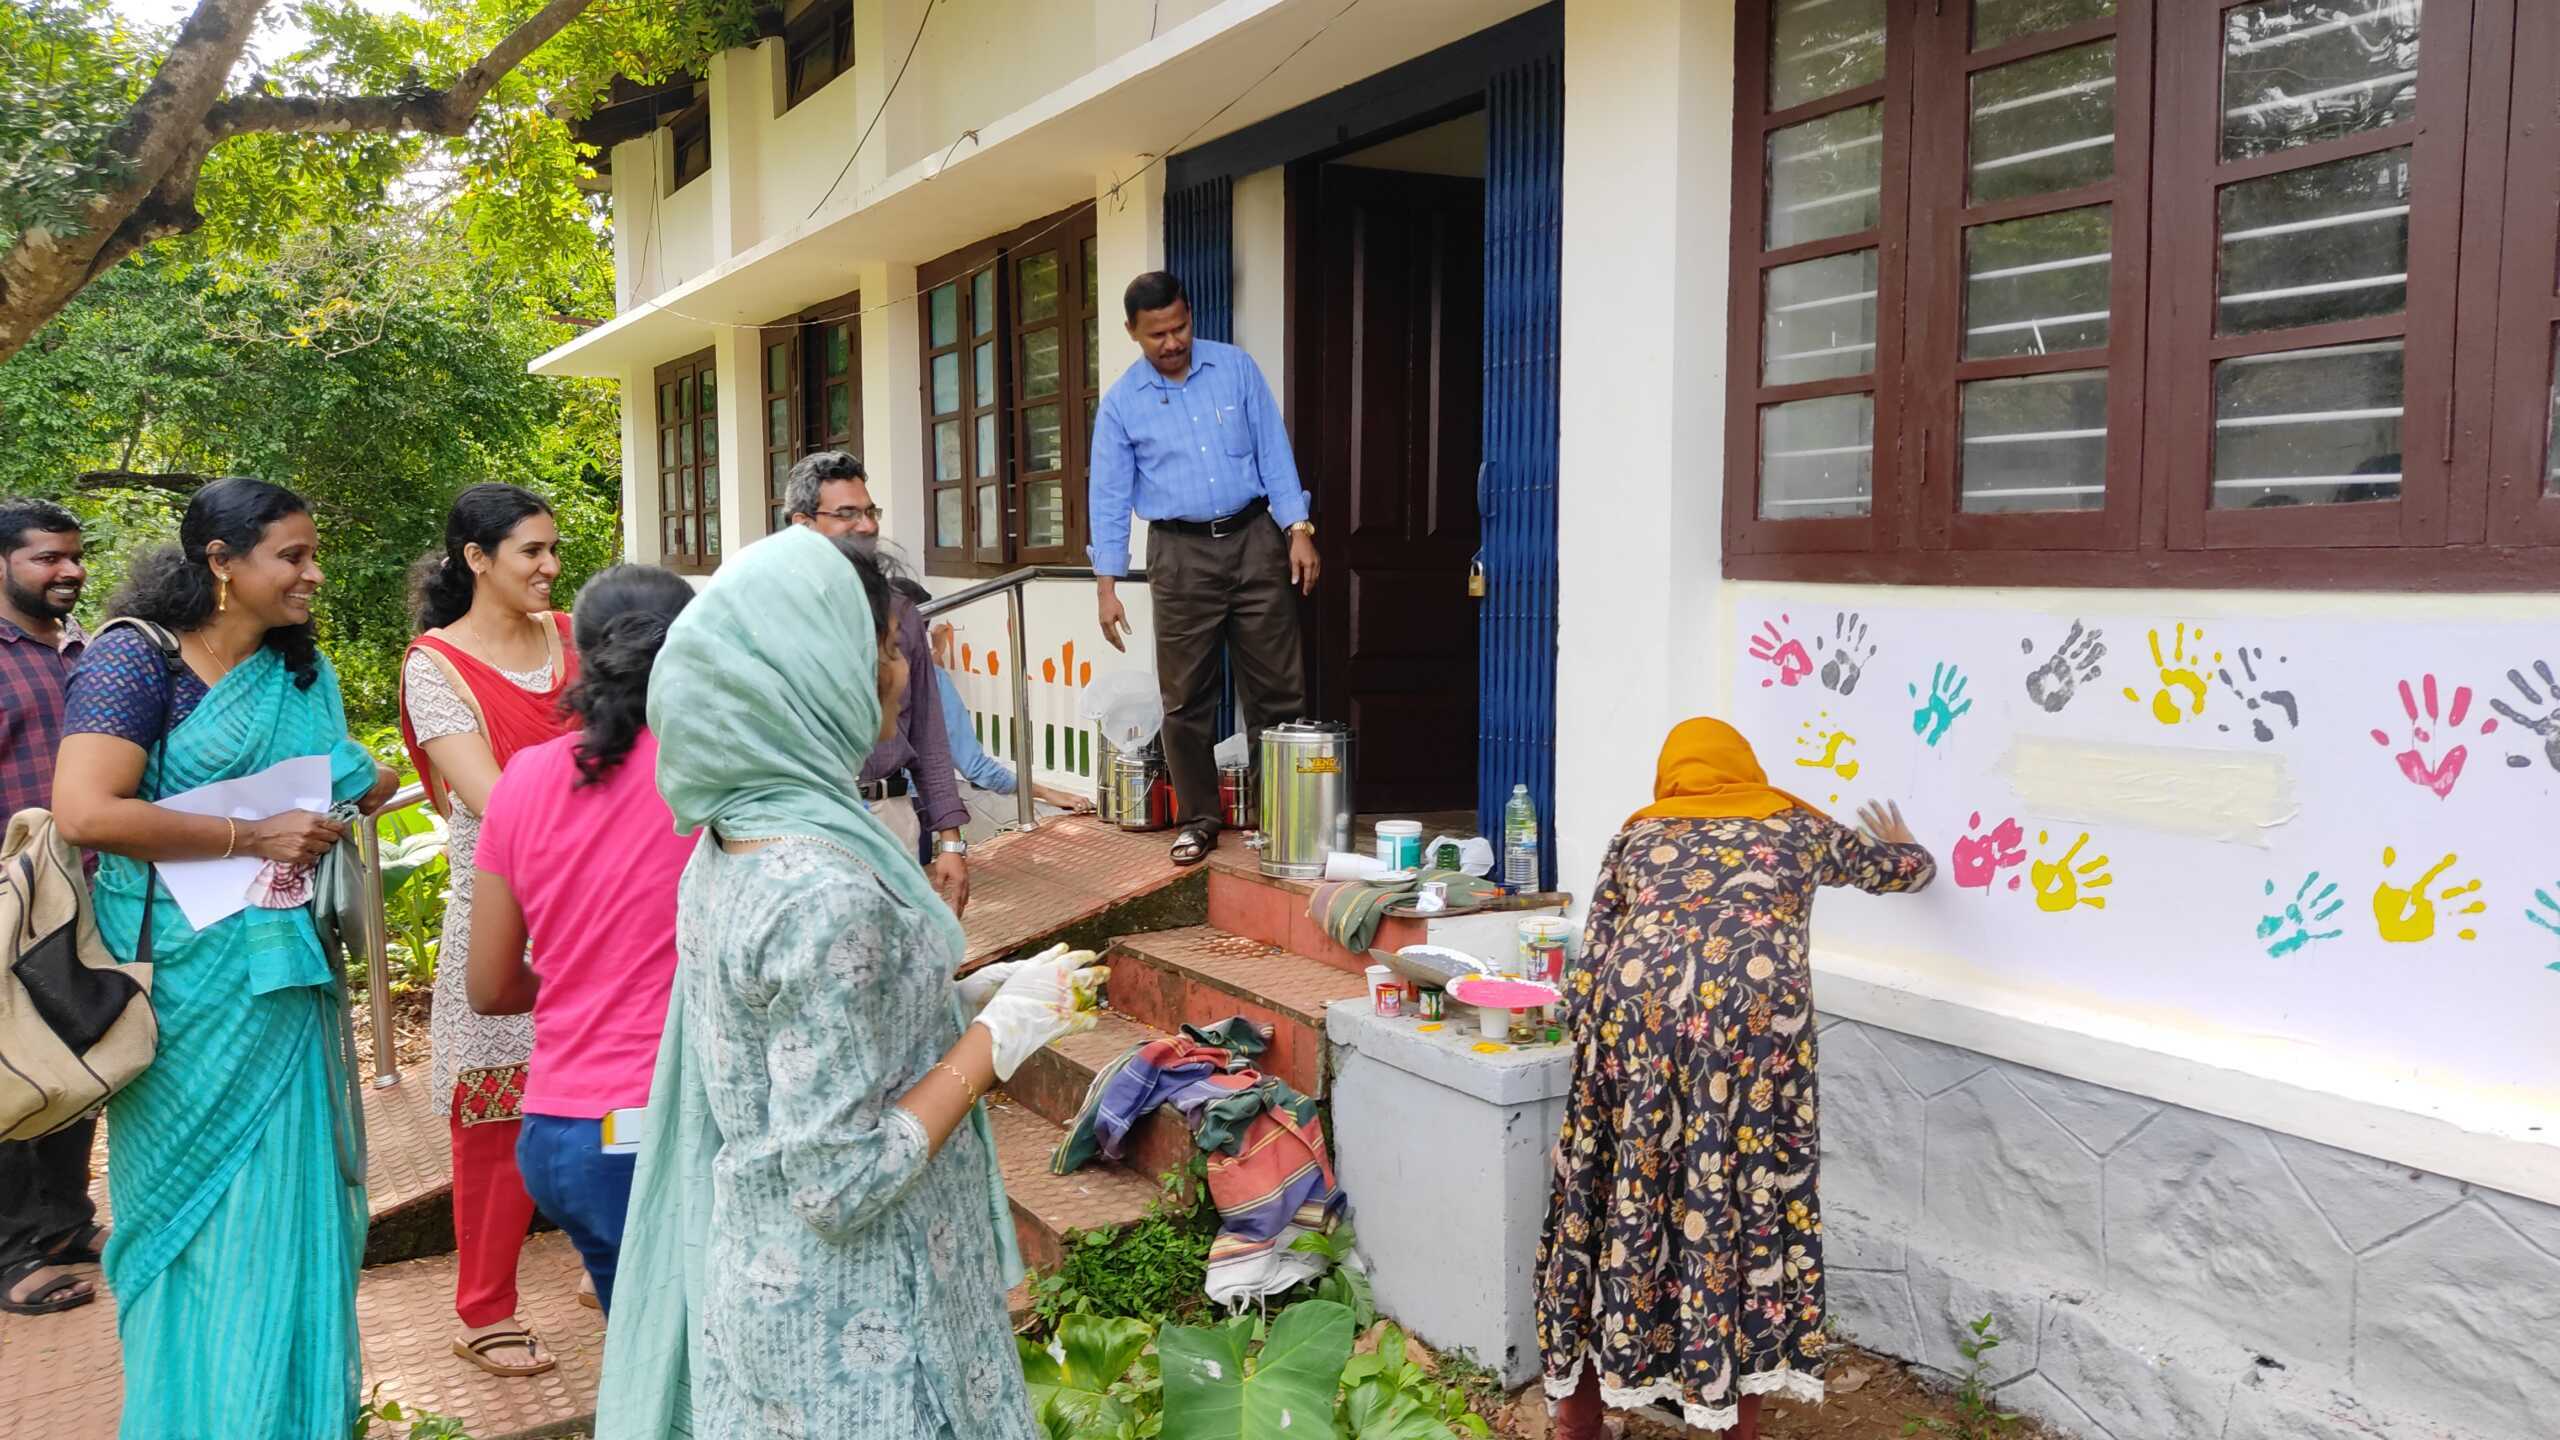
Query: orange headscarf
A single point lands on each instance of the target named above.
(1707, 771)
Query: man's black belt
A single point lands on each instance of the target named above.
(876, 791)
(1215, 529)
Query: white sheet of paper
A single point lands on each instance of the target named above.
(215, 890)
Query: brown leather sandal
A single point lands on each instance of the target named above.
(477, 1352)
(1192, 844)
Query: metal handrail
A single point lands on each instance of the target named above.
(377, 938)
(1011, 586)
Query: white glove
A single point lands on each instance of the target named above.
(980, 985)
(1047, 999)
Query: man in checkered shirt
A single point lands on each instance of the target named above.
(47, 1222)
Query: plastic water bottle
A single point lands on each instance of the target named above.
(1520, 842)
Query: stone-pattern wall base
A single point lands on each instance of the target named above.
(2158, 1273)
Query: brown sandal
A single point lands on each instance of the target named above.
(477, 1352)
(1192, 844)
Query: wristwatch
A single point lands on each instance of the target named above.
(951, 847)
(1304, 527)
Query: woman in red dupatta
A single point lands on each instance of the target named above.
(483, 680)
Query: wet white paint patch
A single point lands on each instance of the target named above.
(2232, 796)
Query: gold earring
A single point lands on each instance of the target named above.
(221, 592)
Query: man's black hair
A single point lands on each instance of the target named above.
(1154, 290)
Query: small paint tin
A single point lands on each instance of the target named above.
(1434, 1004)
(1544, 960)
(1400, 844)
(1386, 991)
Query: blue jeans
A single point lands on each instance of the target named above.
(583, 1190)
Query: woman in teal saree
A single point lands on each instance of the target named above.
(239, 1225)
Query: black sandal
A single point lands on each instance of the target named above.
(48, 1301)
(1192, 844)
(88, 1247)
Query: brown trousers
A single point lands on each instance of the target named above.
(1229, 596)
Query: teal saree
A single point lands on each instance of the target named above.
(236, 1240)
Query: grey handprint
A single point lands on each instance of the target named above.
(2075, 662)
(1847, 662)
(2546, 725)
(2261, 702)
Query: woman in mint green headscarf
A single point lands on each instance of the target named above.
(818, 1243)
(239, 1207)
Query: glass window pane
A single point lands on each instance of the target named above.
(2044, 124)
(666, 402)
(1821, 320)
(944, 307)
(988, 453)
(1093, 351)
(2327, 243)
(2035, 442)
(666, 447)
(839, 411)
(1825, 177)
(2297, 72)
(1044, 519)
(670, 490)
(990, 519)
(1040, 362)
(946, 383)
(684, 443)
(675, 535)
(1043, 439)
(839, 348)
(982, 302)
(1997, 22)
(946, 450)
(1089, 255)
(985, 394)
(777, 421)
(777, 368)
(2551, 456)
(777, 475)
(2038, 285)
(1817, 457)
(710, 394)
(2307, 427)
(946, 519)
(1039, 288)
(1822, 47)
(684, 398)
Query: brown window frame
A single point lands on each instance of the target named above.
(778, 376)
(792, 371)
(686, 127)
(2474, 510)
(817, 49)
(993, 517)
(688, 462)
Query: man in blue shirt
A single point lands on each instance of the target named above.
(1190, 441)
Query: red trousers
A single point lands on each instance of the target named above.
(491, 1216)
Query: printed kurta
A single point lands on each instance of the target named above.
(1683, 1245)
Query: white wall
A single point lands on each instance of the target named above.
(1260, 227)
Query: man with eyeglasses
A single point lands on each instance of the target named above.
(829, 492)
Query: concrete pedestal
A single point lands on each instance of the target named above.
(1445, 1155)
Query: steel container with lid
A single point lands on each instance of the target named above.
(1132, 790)
(1306, 797)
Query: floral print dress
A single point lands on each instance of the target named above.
(1683, 1246)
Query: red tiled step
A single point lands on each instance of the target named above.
(1052, 1084)
(1027, 887)
(1245, 902)
(1203, 975)
(1048, 1208)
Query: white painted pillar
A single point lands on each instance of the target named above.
(643, 540)
(1647, 200)
(1261, 243)
(742, 105)
(893, 406)
(1128, 232)
(738, 359)
(637, 182)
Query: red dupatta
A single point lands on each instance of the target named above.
(512, 718)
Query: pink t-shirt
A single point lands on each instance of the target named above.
(595, 870)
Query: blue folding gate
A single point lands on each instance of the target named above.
(1199, 247)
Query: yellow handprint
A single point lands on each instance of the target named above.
(1832, 743)
(2407, 916)
(2178, 671)
(2059, 883)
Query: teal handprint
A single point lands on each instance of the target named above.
(2290, 929)
(1945, 705)
(2545, 912)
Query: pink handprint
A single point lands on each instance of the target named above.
(1979, 858)
(2425, 719)
(1786, 655)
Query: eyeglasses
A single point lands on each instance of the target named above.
(849, 514)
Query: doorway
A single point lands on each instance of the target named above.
(1387, 329)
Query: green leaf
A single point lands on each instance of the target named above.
(1377, 1410)
(1099, 1351)
(1288, 1394)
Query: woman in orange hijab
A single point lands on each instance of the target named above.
(1682, 1261)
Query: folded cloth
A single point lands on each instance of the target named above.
(1352, 910)
(1208, 1059)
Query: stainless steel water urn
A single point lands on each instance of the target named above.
(1306, 797)
(1138, 796)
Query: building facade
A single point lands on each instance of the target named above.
(2123, 431)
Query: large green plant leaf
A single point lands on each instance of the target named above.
(1098, 1350)
(1288, 1393)
(1376, 1410)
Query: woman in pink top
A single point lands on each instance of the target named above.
(579, 856)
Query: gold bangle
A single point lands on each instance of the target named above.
(232, 845)
(965, 1087)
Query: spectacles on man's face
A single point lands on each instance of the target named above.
(849, 514)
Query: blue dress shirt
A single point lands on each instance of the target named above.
(1199, 448)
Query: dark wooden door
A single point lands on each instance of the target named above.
(1389, 290)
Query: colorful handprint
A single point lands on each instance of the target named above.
(2444, 770)
(1944, 706)
(2262, 704)
(1826, 748)
(2545, 912)
(2074, 663)
(2545, 724)
(2181, 674)
(2289, 928)
(2060, 884)
(1773, 647)
(1846, 662)
(2407, 915)
(1981, 855)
